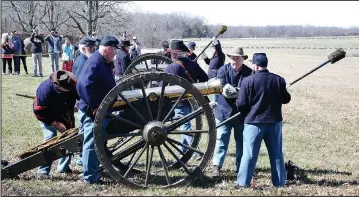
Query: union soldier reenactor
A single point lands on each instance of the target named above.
(216, 61)
(190, 71)
(230, 75)
(94, 83)
(191, 55)
(54, 107)
(260, 100)
(122, 60)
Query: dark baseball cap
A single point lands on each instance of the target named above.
(260, 59)
(110, 41)
(88, 41)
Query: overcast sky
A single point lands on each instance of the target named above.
(261, 13)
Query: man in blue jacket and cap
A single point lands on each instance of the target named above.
(95, 81)
(87, 46)
(123, 59)
(191, 55)
(190, 71)
(260, 100)
(231, 75)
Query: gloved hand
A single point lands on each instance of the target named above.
(229, 91)
(215, 42)
(204, 56)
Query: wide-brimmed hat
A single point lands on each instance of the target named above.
(63, 80)
(125, 43)
(238, 52)
(177, 46)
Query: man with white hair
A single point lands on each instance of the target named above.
(190, 71)
(135, 48)
(94, 83)
(87, 47)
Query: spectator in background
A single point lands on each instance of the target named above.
(94, 35)
(67, 55)
(36, 50)
(16, 48)
(122, 59)
(54, 48)
(77, 51)
(23, 56)
(135, 49)
(6, 54)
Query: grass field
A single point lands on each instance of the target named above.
(320, 130)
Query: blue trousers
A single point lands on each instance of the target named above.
(252, 138)
(89, 158)
(79, 157)
(63, 164)
(180, 111)
(222, 142)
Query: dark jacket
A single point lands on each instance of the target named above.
(216, 61)
(51, 105)
(51, 43)
(196, 72)
(122, 62)
(226, 107)
(94, 82)
(78, 65)
(261, 97)
(36, 45)
(192, 56)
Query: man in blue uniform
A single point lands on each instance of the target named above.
(87, 47)
(191, 55)
(123, 59)
(54, 107)
(230, 75)
(260, 99)
(216, 61)
(94, 82)
(190, 71)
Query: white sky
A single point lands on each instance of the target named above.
(261, 13)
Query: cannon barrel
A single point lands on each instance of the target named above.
(212, 86)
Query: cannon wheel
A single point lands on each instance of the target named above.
(145, 61)
(142, 56)
(157, 135)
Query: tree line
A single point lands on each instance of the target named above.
(75, 18)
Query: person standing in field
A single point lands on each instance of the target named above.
(36, 50)
(231, 75)
(191, 55)
(6, 54)
(67, 55)
(260, 100)
(54, 48)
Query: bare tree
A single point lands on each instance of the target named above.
(28, 14)
(55, 15)
(86, 19)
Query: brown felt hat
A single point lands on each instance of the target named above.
(63, 80)
(237, 51)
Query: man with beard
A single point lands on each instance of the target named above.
(87, 47)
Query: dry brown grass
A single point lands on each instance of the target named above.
(321, 126)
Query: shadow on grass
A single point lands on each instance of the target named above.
(302, 176)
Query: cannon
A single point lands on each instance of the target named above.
(142, 144)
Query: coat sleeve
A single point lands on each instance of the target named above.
(285, 94)
(242, 101)
(40, 108)
(221, 76)
(213, 63)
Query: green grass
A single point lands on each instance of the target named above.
(320, 131)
